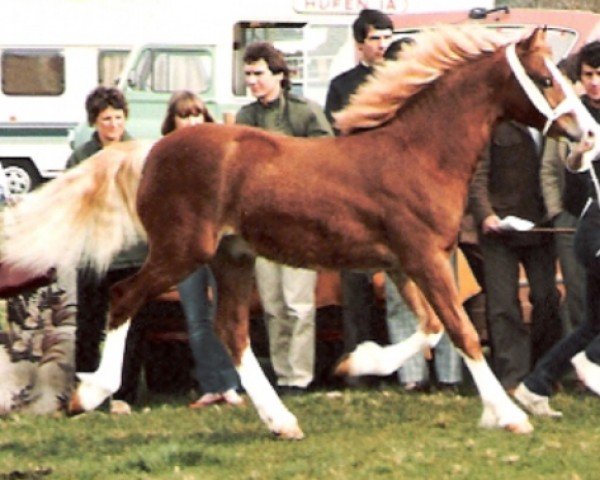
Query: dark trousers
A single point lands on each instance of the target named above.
(359, 304)
(515, 345)
(92, 310)
(587, 336)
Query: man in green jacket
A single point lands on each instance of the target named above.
(287, 294)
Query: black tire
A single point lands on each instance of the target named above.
(22, 175)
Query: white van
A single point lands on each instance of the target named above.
(41, 102)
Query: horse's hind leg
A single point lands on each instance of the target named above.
(97, 386)
(233, 269)
(372, 359)
(167, 264)
(436, 280)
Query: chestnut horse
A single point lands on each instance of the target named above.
(390, 195)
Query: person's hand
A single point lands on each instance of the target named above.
(575, 158)
(491, 224)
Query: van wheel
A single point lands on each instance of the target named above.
(22, 175)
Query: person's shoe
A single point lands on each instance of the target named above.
(587, 371)
(230, 397)
(120, 407)
(535, 404)
(207, 400)
(416, 387)
(291, 391)
(448, 388)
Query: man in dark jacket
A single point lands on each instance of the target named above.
(507, 183)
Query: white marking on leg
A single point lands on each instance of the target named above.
(370, 358)
(498, 409)
(97, 386)
(270, 408)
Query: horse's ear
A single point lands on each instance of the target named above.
(535, 40)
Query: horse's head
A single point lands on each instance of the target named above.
(552, 105)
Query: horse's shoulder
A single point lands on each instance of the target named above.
(250, 137)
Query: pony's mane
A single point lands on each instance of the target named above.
(434, 52)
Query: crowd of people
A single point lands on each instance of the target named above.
(520, 175)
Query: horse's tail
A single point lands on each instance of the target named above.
(83, 217)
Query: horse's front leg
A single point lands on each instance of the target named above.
(370, 358)
(436, 280)
(233, 269)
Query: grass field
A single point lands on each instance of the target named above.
(359, 434)
(355, 434)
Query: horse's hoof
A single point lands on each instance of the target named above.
(291, 433)
(522, 428)
(342, 369)
(75, 407)
(88, 395)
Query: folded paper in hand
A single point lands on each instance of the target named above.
(516, 224)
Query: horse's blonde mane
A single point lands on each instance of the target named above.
(434, 52)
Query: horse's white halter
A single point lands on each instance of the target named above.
(571, 103)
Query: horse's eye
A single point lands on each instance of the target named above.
(545, 82)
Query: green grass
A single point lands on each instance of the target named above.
(365, 434)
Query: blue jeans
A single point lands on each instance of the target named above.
(214, 369)
(402, 323)
(587, 336)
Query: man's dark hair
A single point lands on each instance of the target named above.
(396, 47)
(590, 55)
(274, 59)
(370, 18)
(101, 98)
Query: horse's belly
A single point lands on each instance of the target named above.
(306, 244)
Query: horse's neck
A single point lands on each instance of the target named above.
(460, 111)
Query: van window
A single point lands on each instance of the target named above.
(33, 72)
(170, 70)
(110, 66)
(315, 53)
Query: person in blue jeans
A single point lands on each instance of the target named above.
(216, 375)
(414, 373)
(582, 347)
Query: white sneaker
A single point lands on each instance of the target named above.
(535, 404)
(120, 407)
(587, 371)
